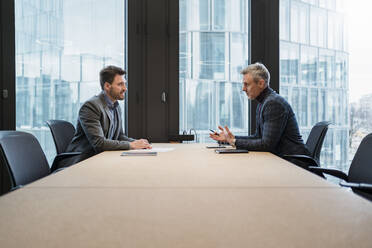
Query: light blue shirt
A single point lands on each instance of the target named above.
(114, 115)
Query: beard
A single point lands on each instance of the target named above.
(116, 95)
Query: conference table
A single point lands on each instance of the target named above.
(188, 196)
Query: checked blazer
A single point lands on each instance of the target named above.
(276, 127)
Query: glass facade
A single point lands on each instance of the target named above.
(213, 51)
(61, 45)
(314, 71)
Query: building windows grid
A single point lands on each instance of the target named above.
(58, 59)
(313, 72)
(213, 51)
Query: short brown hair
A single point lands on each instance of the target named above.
(108, 74)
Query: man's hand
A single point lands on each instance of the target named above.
(140, 144)
(223, 136)
(229, 136)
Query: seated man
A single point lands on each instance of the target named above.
(99, 126)
(276, 126)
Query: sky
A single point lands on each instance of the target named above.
(360, 48)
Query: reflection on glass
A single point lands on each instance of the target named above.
(308, 65)
(326, 67)
(296, 100)
(238, 51)
(194, 14)
(336, 31)
(209, 56)
(284, 20)
(61, 45)
(341, 74)
(289, 63)
(299, 22)
(323, 105)
(318, 27)
(213, 51)
(314, 106)
(303, 111)
(284, 92)
(314, 70)
(199, 96)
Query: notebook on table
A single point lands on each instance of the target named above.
(230, 151)
(139, 153)
(215, 146)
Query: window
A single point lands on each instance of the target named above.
(61, 45)
(314, 71)
(299, 22)
(213, 51)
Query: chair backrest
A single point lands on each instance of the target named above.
(62, 132)
(361, 167)
(24, 157)
(316, 137)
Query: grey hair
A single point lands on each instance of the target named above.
(257, 71)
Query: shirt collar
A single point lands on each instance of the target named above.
(110, 104)
(261, 97)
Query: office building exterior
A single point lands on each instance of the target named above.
(314, 71)
(213, 50)
(57, 69)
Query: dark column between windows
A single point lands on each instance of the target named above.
(265, 43)
(7, 65)
(7, 80)
(153, 69)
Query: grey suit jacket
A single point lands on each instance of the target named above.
(92, 130)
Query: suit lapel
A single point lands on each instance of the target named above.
(108, 114)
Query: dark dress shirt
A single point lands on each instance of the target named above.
(276, 128)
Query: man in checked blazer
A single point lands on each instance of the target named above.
(276, 125)
(99, 126)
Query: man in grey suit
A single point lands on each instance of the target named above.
(99, 126)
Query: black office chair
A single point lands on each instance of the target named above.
(23, 157)
(359, 177)
(314, 143)
(62, 132)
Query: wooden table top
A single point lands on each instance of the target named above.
(188, 165)
(189, 197)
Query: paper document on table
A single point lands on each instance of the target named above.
(162, 149)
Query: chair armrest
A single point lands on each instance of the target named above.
(332, 172)
(58, 170)
(357, 185)
(64, 155)
(303, 158)
(67, 155)
(60, 157)
(16, 187)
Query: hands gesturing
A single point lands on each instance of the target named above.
(224, 136)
